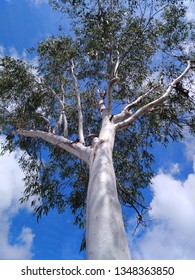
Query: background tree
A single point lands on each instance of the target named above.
(122, 80)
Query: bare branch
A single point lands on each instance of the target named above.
(62, 118)
(126, 112)
(76, 149)
(79, 108)
(102, 106)
(58, 124)
(117, 65)
(57, 97)
(140, 98)
(65, 123)
(159, 101)
(113, 79)
(40, 115)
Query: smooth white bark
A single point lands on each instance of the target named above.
(105, 232)
(151, 105)
(76, 149)
(79, 107)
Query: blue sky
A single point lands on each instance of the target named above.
(172, 193)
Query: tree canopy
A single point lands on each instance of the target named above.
(133, 49)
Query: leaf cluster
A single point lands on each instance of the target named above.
(141, 36)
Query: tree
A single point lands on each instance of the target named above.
(88, 116)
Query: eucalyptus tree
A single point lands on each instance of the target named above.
(89, 113)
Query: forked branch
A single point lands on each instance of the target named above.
(153, 104)
(62, 117)
(62, 121)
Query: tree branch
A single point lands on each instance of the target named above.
(126, 112)
(146, 108)
(113, 79)
(80, 114)
(102, 106)
(76, 149)
(62, 118)
(57, 97)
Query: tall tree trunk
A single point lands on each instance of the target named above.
(105, 236)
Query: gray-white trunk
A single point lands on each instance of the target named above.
(105, 232)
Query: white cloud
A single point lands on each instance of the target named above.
(21, 249)
(172, 234)
(189, 146)
(11, 187)
(13, 53)
(175, 169)
(35, 2)
(39, 2)
(2, 51)
(191, 9)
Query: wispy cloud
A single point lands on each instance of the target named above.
(21, 249)
(39, 2)
(35, 2)
(11, 188)
(2, 51)
(189, 146)
(172, 235)
(191, 9)
(13, 53)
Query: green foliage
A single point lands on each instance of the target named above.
(143, 37)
